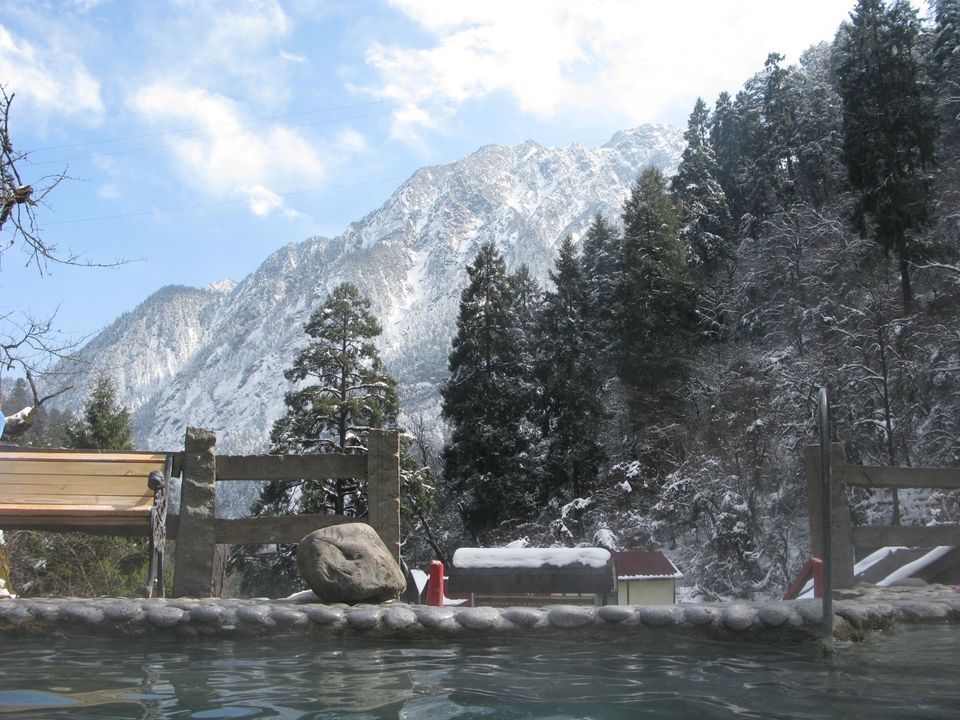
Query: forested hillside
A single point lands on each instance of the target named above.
(660, 390)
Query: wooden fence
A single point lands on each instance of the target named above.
(845, 535)
(198, 531)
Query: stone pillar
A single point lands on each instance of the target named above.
(196, 533)
(383, 487)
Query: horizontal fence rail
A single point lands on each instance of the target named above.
(199, 531)
(846, 535)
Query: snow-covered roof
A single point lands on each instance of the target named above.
(529, 557)
(645, 565)
(922, 559)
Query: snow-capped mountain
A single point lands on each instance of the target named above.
(216, 356)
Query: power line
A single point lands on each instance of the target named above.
(222, 203)
(430, 101)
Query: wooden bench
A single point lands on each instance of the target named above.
(99, 493)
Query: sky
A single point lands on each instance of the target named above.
(198, 136)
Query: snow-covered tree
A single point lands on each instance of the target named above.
(487, 400)
(571, 384)
(889, 126)
(343, 391)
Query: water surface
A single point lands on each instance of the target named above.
(909, 673)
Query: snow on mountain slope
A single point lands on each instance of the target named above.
(225, 372)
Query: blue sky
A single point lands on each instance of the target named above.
(201, 135)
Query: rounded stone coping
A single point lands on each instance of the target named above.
(856, 612)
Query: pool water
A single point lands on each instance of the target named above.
(909, 673)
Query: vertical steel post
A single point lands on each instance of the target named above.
(823, 407)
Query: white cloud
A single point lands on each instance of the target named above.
(635, 60)
(48, 79)
(236, 45)
(228, 160)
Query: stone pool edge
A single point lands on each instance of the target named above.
(857, 613)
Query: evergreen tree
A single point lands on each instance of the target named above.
(349, 393)
(704, 216)
(487, 401)
(600, 250)
(820, 175)
(104, 425)
(571, 382)
(889, 126)
(655, 302)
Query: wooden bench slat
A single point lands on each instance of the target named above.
(34, 496)
(41, 510)
(60, 456)
(83, 468)
(73, 485)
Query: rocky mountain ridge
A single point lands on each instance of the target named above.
(216, 356)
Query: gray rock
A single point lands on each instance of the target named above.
(700, 614)
(254, 614)
(364, 618)
(523, 616)
(774, 615)
(478, 618)
(399, 617)
(204, 613)
(288, 616)
(616, 613)
(350, 564)
(123, 612)
(436, 617)
(82, 613)
(657, 616)
(322, 615)
(165, 617)
(740, 617)
(571, 616)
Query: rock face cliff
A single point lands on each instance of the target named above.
(218, 354)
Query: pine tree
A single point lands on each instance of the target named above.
(704, 216)
(487, 401)
(655, 302)
(104, 425)
(600, 251)
(889, 126)
(570, 404)
(349, 393)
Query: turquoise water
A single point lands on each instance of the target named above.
(904, 674)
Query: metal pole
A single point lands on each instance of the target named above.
(823, 406)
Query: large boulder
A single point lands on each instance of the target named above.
(349, 564)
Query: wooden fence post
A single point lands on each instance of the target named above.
(841, 570)
(841, 566)
(196, 532)
(383, 487)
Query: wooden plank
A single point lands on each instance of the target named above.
(906, 535)
(290, 467)
(31, 496)
(94, 525)
(76, 485)
(903, 477)
(272, 530)
(56, 456)
(72, 510)
(69, 468)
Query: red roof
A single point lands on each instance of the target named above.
(644, 565)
